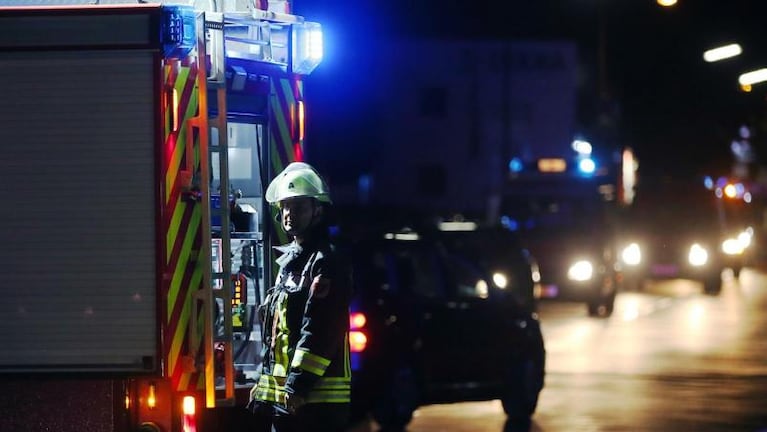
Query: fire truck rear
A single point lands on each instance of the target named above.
(136, 142)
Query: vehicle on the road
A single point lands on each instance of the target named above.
(498, 251)
(567, 228)
(563, 203)
(430, 325)
(680, 229)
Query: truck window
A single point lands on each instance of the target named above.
(245, 141)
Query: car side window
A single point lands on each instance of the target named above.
(381, 271)
(464, 278)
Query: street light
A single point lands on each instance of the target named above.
(722, 53)
(666, 3)
(753, 77)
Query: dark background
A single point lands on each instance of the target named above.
(678, 112)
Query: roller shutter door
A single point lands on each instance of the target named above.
(78, 238)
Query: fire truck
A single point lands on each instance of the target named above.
(137, 140)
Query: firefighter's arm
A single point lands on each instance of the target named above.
(325, 323)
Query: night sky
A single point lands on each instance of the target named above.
(668, 104)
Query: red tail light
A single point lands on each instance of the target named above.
(357, 320)
(357, 339)
(189, 419)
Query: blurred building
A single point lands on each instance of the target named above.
(452, 115)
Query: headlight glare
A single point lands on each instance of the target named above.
(632, 254)
(698, 255)
(732, 246)
(745, 238)
(500, 280)
(580, 271)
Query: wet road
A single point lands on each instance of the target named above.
(669, 359)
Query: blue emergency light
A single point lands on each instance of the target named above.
(587, 166)
(178, 32)
(516, 165)
(307, 47)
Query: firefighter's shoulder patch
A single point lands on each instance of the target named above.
(320, 287)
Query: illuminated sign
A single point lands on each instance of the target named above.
(552, 165)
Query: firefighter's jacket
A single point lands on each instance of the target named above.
(305, 326)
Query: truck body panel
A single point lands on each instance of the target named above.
(137, 142)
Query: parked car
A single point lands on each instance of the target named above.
(429, 325)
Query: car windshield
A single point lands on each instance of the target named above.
(553, 215)
(676, 206)
(559, 206)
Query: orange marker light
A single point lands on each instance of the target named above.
(151, 398)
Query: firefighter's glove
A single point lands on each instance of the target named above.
(293, 402)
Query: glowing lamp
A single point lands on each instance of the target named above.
(307, 47)
(357, 320)
(587, 166)
(151, 397)
(357, 341)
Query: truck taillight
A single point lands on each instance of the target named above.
(151, 397)
(189, 419)
(357, 339)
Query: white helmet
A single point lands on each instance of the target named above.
(298, 179)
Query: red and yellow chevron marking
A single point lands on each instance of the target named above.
(181, 223)
(286, 147)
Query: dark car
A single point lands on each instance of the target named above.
(681, 229)
(576, 265)
(429, 325)
(498, 251)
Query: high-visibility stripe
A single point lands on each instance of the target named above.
(285, 92)
(331, 390)
(329, 398)
(281, 115)
(281, 337)
(182, 227)
(310, 362)
(186, 90)
(327, 390)
(347, 357)
(270, 389)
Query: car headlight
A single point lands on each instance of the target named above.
(580, 271)
(535, 273)
(732, 246)
(698, 255)
(632, 254)
(500, 280)
(480, 289)
(745, 237)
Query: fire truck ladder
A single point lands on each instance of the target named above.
(260, 36)
(218, 127)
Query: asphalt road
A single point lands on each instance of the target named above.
(669, 359)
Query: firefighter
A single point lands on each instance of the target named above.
(305, 377)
